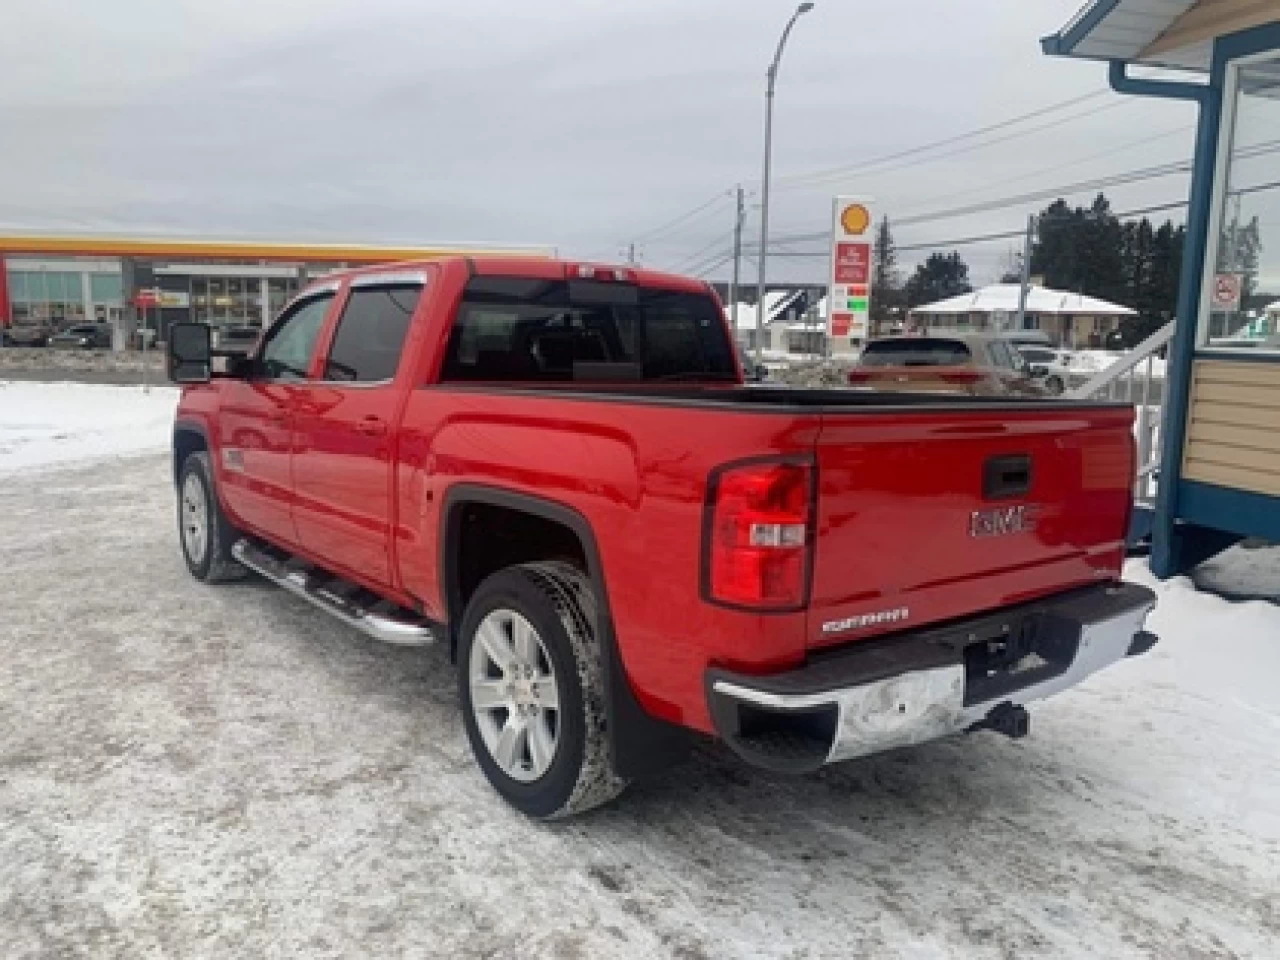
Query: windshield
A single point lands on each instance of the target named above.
(915, 352)
(526, 329)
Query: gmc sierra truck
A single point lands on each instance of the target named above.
(556, 469)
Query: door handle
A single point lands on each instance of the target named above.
(372, 427)
(276, 416)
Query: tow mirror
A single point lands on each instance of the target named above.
(190, 353)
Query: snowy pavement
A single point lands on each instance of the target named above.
(49, 423)
(194, 771)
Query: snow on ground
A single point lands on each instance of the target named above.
(209, 772)
(1247, 572)
(48, 423)
(1089, 362)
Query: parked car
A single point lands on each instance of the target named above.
(973, 364)
(83, 336)
(27, 335)
(1053, 367)
(556, 470)
(236, 339)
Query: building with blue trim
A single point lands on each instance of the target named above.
(1219, 477)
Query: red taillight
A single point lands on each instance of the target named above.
(758, 543)
(861, 376)
(968, 377)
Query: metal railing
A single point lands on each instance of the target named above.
(1135, 379)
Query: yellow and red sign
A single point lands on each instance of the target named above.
(852, 257)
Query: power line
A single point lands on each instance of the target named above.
(1009, 234)
(702, 252)
(1120, 179)
(716, 265)
(1132, 176)
(946, 141)
(683, 218)
(957, 138)
(1088, 158)
(897, 167)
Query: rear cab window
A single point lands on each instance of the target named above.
(916, 352)
(538, 330)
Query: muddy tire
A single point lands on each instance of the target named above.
(532, 690)
(204, 532)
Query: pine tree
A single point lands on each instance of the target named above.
(939, 277)
(1136, 264)
(886, 293)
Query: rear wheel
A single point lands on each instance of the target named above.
(204, 531)
(532, 692)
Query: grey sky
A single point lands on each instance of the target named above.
(570, 123)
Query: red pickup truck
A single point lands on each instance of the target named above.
(557, 469)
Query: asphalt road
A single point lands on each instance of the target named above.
(189, 771)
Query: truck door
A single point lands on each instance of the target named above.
(345, 421)
(257, 427)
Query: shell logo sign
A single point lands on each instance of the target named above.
(855, 218)
(852, 259)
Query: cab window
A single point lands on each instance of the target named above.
(288, 348)
(370, 336)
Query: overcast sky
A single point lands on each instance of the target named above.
(569, 123)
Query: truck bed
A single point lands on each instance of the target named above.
(787, 399)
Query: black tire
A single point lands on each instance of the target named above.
(558, 601)
(213, 563)
(1055, 386)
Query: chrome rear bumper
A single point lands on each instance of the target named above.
(911, 688)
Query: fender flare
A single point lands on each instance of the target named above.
(187, 425)
(642, 744)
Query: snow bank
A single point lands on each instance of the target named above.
(1211, 689)
(51, 423)
(1089, 362)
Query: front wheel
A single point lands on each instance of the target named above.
(1055, 386)
(204, 531)
(532, 692)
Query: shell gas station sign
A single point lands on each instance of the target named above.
(849, 299)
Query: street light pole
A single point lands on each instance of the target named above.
(764, 195)
(739, 215)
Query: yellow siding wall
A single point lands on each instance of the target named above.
(1209, 19)
(1233, 433)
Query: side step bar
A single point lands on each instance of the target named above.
(399, 630)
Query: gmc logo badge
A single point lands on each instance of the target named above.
(1001, 522)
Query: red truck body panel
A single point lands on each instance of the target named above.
(355, 478)
(897, 493)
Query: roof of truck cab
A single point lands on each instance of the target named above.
(519, 266)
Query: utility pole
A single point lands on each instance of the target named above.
(631, 253)
(1026, 273)
(739, 215)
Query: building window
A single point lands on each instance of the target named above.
(106, 288)
(47, 296)
(1242, 270)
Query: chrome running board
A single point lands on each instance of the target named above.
(317, 587)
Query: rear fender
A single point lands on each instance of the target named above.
(642, 744)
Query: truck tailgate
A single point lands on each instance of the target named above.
(924, 516)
